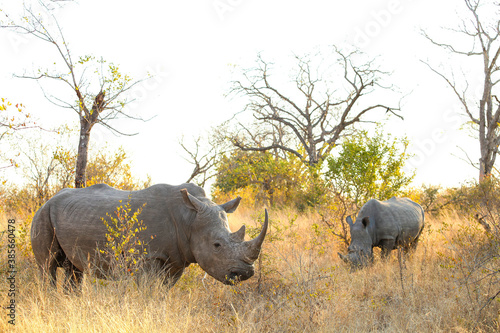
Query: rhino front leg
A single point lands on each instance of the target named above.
(387, 245)
(165, 271)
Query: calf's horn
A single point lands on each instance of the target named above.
(254, 245)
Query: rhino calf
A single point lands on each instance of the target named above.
(183, 227)
(397, 222)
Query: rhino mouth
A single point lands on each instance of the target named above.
(238, 275)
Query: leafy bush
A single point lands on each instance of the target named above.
(123, 249)
(369, 167)
(268, 179)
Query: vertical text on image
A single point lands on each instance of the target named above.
(11, 272)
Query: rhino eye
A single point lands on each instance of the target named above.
(217, 246)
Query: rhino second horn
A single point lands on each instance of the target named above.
(255, 244)
(240, 234)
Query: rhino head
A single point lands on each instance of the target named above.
(360, 251)
(223, 254)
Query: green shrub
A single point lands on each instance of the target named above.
(124, 249)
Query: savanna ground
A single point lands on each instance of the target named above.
(300, 285)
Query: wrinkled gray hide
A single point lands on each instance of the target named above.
(386, 224)
(183, 227)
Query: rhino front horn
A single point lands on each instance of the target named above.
(343, 257)
(255, 244)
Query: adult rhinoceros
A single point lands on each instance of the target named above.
(385, 224)
(183, 227)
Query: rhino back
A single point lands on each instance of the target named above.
(76, 216)
(397, 218)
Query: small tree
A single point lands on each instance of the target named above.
(369, 167)
(114, 169)
(97, 89)
(270, 178)
(46, 170)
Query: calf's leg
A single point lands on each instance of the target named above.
(387, 245)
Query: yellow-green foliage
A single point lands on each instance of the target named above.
(113, 169)
(370, 167)
(123, 246)
(270, 178)
(263, 178)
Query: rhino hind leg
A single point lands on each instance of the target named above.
(73, 275)
(54, 257)
(48, 253)
(49, 258)
(410, 247)
(414, 243)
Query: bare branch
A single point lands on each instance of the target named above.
(304, 128)
(461, 96)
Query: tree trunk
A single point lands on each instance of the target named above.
(488, 124)
(83, 148)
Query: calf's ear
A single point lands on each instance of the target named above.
(349, 221)
(366, 221)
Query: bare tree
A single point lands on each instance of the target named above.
(39, 170)
(99, 87)
(482, 33)
(310, 118)
(205, 153)
(203, 162)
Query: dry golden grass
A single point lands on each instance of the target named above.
(300, 285)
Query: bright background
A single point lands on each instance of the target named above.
(193, 47)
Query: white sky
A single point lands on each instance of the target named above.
(191, 47)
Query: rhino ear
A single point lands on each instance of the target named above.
(366, 221)
(191, 201)
(231, 206)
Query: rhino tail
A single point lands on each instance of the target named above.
(46, 248)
